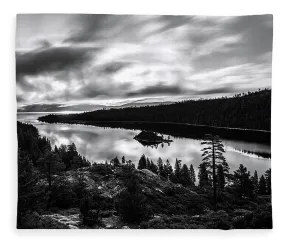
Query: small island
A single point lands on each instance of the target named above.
(151, 138)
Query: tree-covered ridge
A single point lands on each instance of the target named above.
(250, 110)
(57, 183)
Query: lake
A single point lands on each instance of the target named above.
(100, 144)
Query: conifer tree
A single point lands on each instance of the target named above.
(142, 162)
(177, 168)
(242, 182)
(123, 160)
(168, 169)
(221, 181)
(160, 167)
(192, 175)
(184, 177)
(147, 164)
(268, 181)
(212, 155)
(254, 180)
(116, 162)
(262, 185)
(153, 167)
(50, 163)
(203, 175)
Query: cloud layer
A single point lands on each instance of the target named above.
(100, 59)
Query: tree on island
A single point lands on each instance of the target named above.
(213, 154)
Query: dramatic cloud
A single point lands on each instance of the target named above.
(158, 89)
(101, 59)
(52, 59)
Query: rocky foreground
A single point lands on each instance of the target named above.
(171, 206)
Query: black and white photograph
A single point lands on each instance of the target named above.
(143, 121)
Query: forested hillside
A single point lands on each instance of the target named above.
(250, 110)
(59, 188)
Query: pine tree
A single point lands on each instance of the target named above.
(221, 181)
(147, 164)
(50, 163)
(184, 178)
(142, 162)
(123, 160)
(161, 171)
(177, 168)
(192, 175)
(262, 186)
(242, 182)
(30, 194)
(168, 169)
(203, 175)
(213, 154)
(116, 162)
(254, 180)
(268, 181)
(153, 167)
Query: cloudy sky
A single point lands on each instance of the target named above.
(114, 59)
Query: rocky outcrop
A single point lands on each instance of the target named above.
(36, 221)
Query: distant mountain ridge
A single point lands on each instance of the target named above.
(58, 107)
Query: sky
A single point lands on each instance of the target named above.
(65, 60)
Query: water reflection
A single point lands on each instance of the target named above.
(100, 144)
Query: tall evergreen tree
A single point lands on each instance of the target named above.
(242, 182)
(153, 167)
(177, 168)
(192, 175)
(147, 164)
(168, 169)
(30, 194)
(221, 181)
(255, 183)
(203, 175)
(50, 164)
(123, 160)
(262, 185)
(184, 177)
(268, 181)
(213, 154)
(142, 162)
(160, 167)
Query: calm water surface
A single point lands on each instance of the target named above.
(100, 144)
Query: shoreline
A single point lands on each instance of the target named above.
(181, 129)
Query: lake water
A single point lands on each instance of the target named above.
(100, 144)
